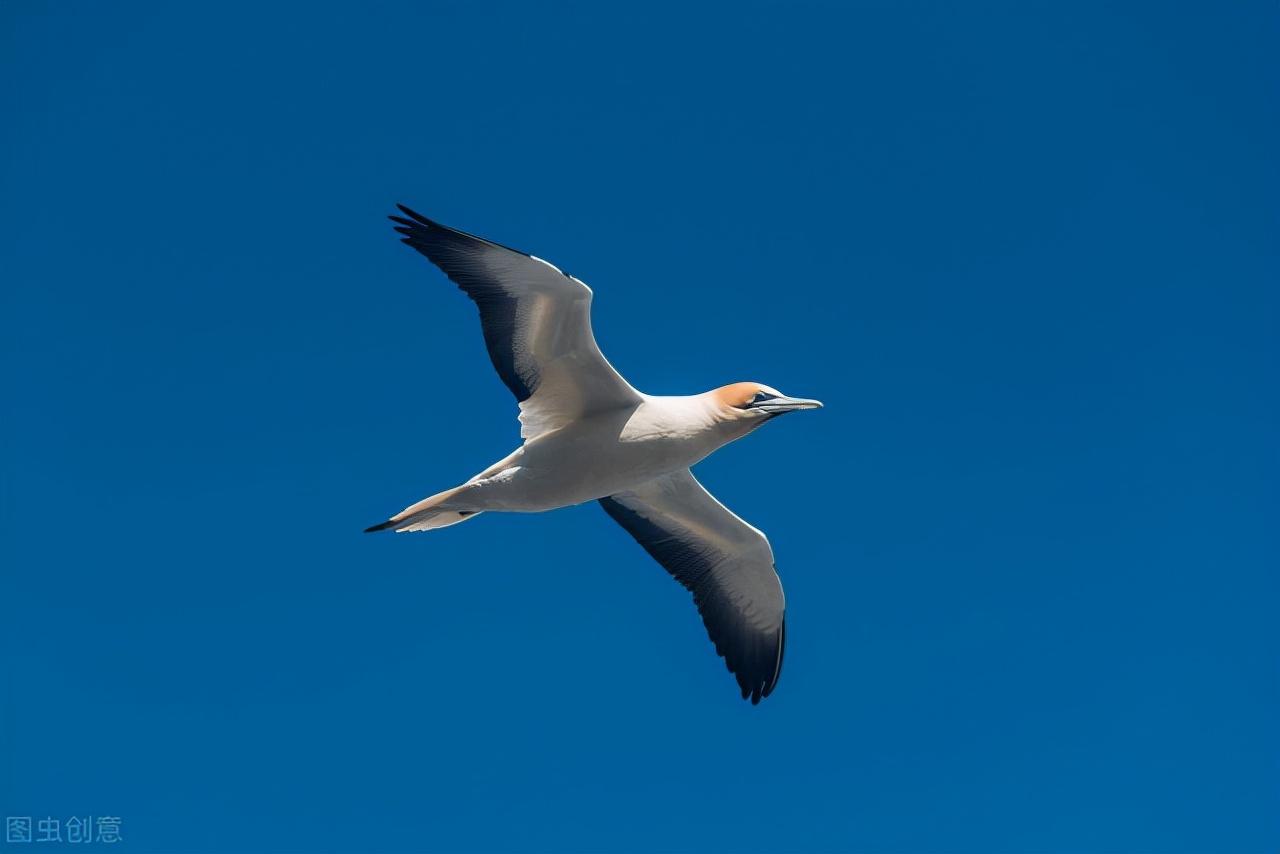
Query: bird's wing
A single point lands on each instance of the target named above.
(536, 322)
(725, 563)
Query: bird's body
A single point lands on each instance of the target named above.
(597, 456)
(590, 436)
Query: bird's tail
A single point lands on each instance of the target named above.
(427, 515)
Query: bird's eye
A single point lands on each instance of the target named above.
(760, 397)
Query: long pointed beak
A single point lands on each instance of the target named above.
(779, 405)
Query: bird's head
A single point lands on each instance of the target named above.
(752, 404)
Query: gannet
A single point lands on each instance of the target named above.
(589, 436)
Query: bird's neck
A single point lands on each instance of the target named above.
(696, 419)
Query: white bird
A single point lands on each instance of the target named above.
(588, 435)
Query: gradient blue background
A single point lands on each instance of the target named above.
(1027, 254)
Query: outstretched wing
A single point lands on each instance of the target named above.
(536, 322)
(725, 563)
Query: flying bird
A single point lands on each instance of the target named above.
(589, 436)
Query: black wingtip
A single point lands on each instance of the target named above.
(412, 214)
(389, 523)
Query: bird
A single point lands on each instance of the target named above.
(588, 435)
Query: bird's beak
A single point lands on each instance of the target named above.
(779, 405)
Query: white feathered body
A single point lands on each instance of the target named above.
(599, 455)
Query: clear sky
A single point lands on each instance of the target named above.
(1026, 254)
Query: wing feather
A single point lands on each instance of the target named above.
(536, 323)
(725, 563)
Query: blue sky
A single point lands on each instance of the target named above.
(1027, 255)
